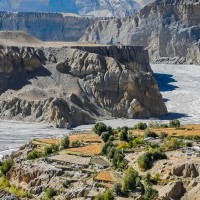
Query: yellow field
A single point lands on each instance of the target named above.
(106, 176)
(90, 150)
(188, 130)
(85, 137)
(49, 141)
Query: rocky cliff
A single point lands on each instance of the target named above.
(46, 26)
(168, 28)
(76, 84)
(98, 8)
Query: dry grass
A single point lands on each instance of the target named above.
(187, 130)
(90, 150)
(49, 141)
(85, 137)
(106, 176)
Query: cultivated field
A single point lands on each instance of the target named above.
(187, 130)
(85, 137)
(89, 150)
(106, 176)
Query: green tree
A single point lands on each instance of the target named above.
(175, 123)
(65, 142)
(118, 189)
(150, 193)
(105, 136)
(123, 135)
(6, 166)
(149, 133)
(144, 161)
(108, 195)
(140, 126)
(99, 128)
(33, 155)
(130, 181)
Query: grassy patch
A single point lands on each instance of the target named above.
(6, 186)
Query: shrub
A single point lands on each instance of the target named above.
(174, 123)
(123, 135)
(107, 147)
(158, 125)
(76, 144)
(163, 135)
(131, 179)
(33, 155)
(111, 138)
(171, 143)
(108, 195)
(149, 133)
(6, 166)
(51, 149)
(144, 161)
(65, 143)
(150, 193)
(188, 144)
(99, 128)
(67, 183)
(111, 153)
(118, 189)
(118, 160)
(105, 136)
(50, 192)
(140, 126)
(137, 141)
(156, 179)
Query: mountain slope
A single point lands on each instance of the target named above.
(98, 8)
(168, 28)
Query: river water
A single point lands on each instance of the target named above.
(179, 85)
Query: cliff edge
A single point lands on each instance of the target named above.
(71, 84)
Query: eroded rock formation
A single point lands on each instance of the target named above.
(168, 28)
(68, 86)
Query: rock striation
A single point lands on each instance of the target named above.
(57, 26)
(169, 29)
(72, 85)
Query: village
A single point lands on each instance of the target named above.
(88, 165)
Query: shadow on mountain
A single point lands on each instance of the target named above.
(21, 79)
(173, 115)
(165, 82)
(165, 100)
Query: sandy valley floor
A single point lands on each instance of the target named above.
(179, 85)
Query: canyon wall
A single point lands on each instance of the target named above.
(46, 26)
(169, 29)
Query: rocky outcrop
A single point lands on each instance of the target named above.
(193, 194)
(69, 86)
(57, 26)
(187, 170)
(7, 196)
(36, 177)
(172, 191)
(168, 28)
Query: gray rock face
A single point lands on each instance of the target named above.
(69, 86)
(7, 196)
(46, 26)
(172, 191)
(99, 8)
(169, 29)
